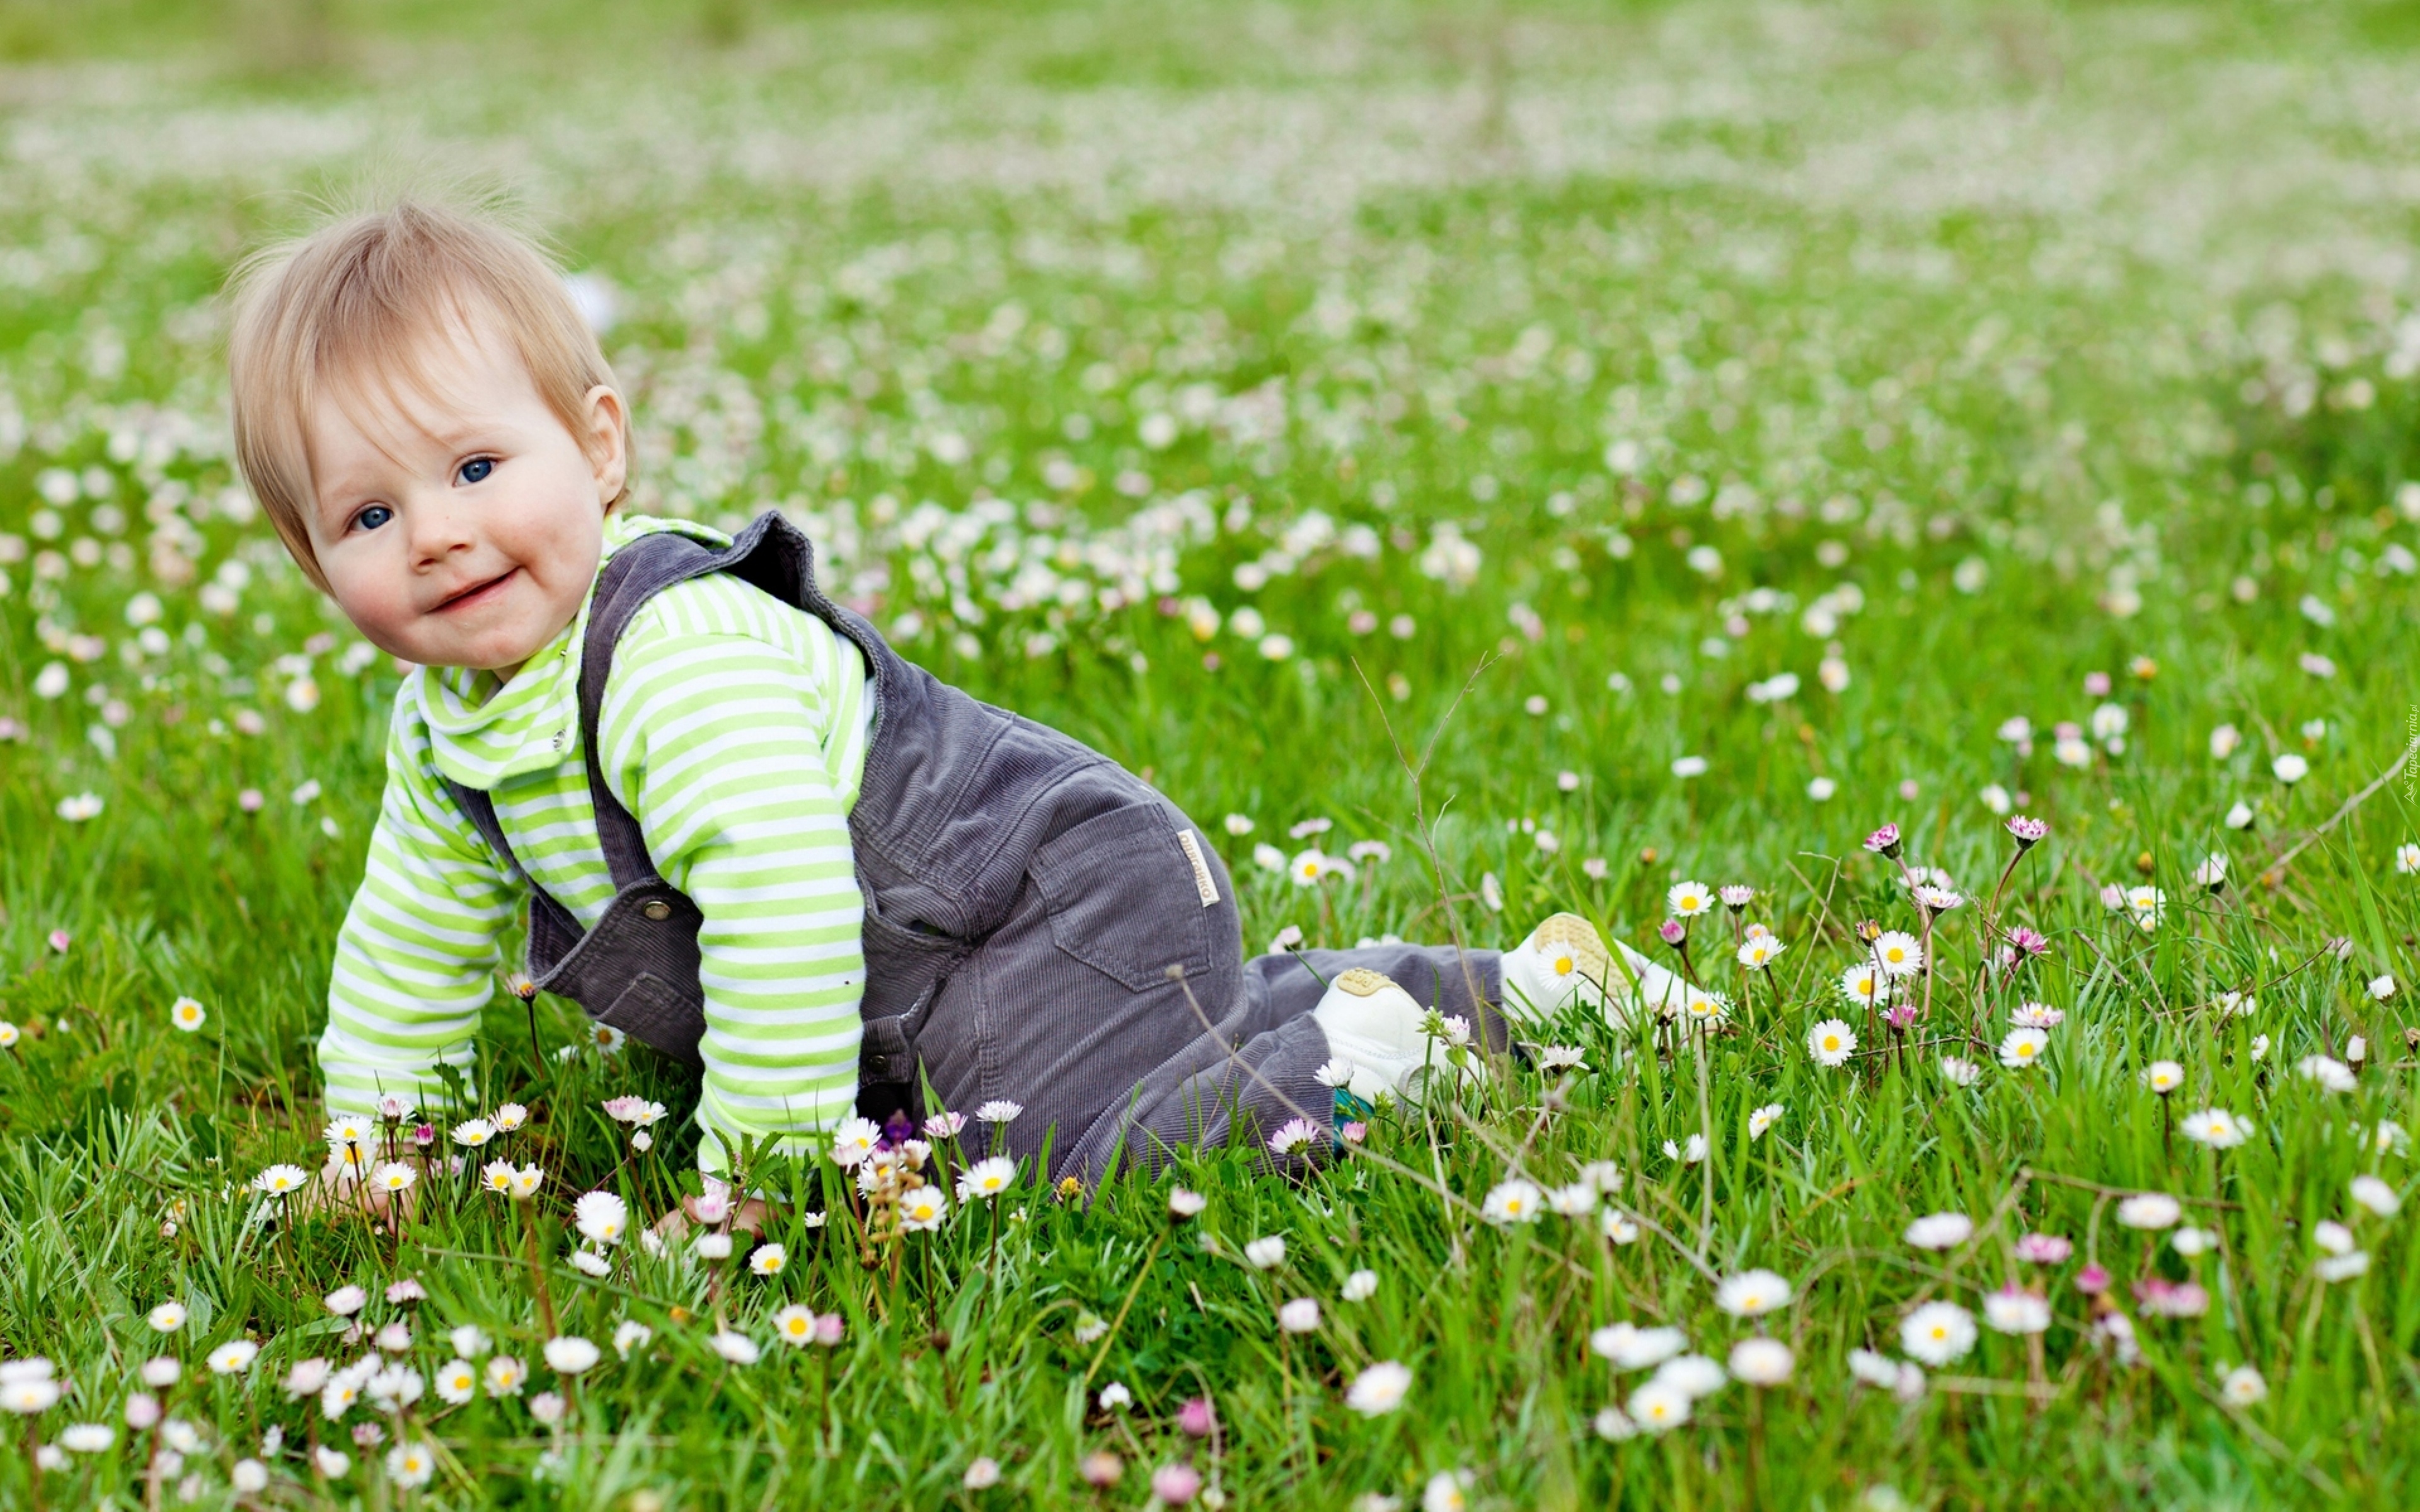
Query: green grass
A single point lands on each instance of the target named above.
(2067, 335)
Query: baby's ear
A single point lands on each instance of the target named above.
(607, 441)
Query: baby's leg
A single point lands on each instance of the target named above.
(1454, 981)
(1293, 1015)
(1262, 1070)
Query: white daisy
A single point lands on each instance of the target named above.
(1659, 1407)
(1703, 1008)
(1688, 900)
(986, 1178)
(2022, 1047)
(1897, 953)
(1938, 1332)
(1831, 1042)
(2150, 1209)
(1514, 1201)
(1379, 1389)
(2217, 1128)
(2375, 1195)
(1941, 1231)
(601, 1216)
(280, 1181)
(2333, 1075)
(2013, 1310)
(457, 1381)
(1752, 1293)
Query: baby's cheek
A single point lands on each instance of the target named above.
(381, 617)
(558, 605)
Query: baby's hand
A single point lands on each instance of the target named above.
(341, 1190)
(748, 1218)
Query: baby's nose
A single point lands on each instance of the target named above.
(439, 532)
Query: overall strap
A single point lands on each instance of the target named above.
(637, 574)
(552, 925)
(634, 575)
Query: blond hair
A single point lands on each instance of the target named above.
(358, 298)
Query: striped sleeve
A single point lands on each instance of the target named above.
(416, 958)
(716, 741)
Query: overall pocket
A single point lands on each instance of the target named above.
(654, 1012)
(1124, 898)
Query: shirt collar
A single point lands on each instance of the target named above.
(482, 733)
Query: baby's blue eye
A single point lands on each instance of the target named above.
(476, 470)
(374, 516)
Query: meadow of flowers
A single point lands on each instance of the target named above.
(1908, 518)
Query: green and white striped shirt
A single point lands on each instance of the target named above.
(735, 731)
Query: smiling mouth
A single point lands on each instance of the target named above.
(476, 594)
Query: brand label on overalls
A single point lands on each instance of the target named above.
(1202, 882)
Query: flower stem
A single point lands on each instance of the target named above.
(991, 1256)
(538, 1056)
(1706, 1165)
(1991, 935)
(1132, 1292)
(34, 1463)
(1755, 1444)
(537, 1273)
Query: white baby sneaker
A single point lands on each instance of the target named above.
(1564, 961)
(1658, 991)
(1375, 1036)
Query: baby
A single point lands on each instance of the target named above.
(751, 836)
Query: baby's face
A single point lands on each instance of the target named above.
(462, 527)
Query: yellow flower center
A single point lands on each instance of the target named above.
(1562, 965)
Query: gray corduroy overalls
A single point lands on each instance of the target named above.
(1025, 898)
